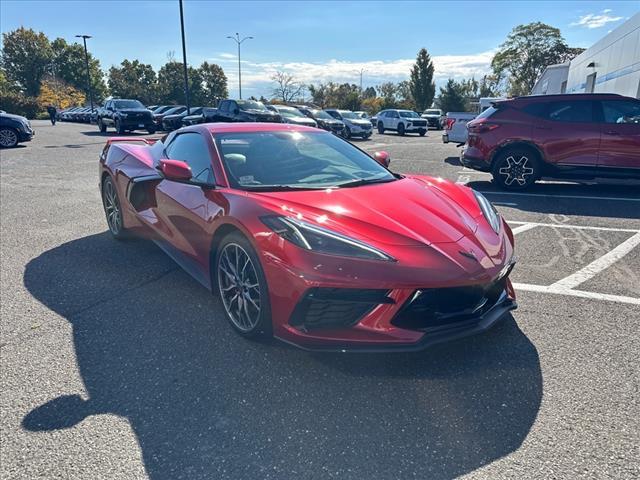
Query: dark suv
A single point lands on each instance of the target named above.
(245, 111)
(573, 136)
(125, 115)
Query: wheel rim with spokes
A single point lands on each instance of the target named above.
(239, 287)
(8, 138)
(516, 170)
(112, 208)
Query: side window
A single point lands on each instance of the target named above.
(538, 109)
(232, 106)
(621, 111)
(571, 111)
(191, 148)
(335, 115)
(224, 106)
(393, 114)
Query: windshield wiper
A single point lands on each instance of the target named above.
(364, 181)
(278, 188)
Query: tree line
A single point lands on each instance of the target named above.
(36, 72)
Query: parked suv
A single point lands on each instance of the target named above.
(125, 115)
(354, 126)
(402, 121)
(292, 115)
(575, 136)
(245, 111)
(14, 129)
(435, 118)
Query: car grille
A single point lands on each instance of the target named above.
(419, 123)
(267, 118)
(434, 308)
(335, 307)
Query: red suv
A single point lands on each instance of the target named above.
(574, 136)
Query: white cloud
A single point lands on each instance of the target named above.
(256, 76)
(227, 55)
(594, 20)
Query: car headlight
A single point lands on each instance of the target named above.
(489, 211)
(322, 240)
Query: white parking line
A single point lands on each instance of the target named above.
(598, 265)
(577, 227)
(576, 293)
(553, 196)
(523, 228)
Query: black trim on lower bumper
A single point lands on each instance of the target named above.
(453, 332)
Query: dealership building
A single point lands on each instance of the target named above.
(612, 65)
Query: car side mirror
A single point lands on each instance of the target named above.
(175, 170)
(382, 158)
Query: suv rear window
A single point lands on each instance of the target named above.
(487, 113)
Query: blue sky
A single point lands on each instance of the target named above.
(315, 41)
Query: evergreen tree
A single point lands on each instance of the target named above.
(423, 88)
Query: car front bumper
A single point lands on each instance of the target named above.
(26, 135)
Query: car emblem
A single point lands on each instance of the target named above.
(469, 254)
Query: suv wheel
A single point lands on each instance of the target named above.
(8, 137)
(516, 169)
(401, 129)
(380, 128)
(102, 126)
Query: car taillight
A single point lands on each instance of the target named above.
(450, 122)
(481, 127)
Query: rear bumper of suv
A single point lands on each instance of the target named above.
(472, 158)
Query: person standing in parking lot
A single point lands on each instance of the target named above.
(51, 110)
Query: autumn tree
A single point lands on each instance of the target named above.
(69, 64)
(25, 58)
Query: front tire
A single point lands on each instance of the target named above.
(119, 128)
(516, 169)
(347, 133)
(242, 286)
(401, 130)
(151, 130)
(113, 210)
(8, 137)
(422, 133)
(102, 126)
(380, 128)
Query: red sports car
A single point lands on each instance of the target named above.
(312, 240)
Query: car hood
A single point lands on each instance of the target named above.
(360, 123)
(420, 213)
(13, 117)
(301, 120)
(329, 122)
(259, 112)
(430, 115)
(134, 110)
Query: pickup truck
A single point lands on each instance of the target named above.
(455, 129)
(435, 118)
(245, 111)
(125, 115)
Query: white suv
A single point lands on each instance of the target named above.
(401, 121)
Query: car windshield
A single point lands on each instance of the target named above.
(251, 105)
(432, 112)
(321, 114)
(284, 160)
(127, 104)
(407, 114)
(289, 112)
(349, 115)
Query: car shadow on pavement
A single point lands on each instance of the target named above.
(152, 346)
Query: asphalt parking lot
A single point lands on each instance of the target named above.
(116, 364)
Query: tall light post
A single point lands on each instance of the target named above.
(184, 61)
(362, 70)
(86, 59)
(239, 42)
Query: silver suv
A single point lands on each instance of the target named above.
(354, 126)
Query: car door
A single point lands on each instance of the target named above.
(567, 133)
(620, 128)
(107, 119)
(391, 120)
(187, 209)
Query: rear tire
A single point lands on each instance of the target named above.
(401, 130)
(380, 128)
(113, 210)
(242, 287)
(516, 168)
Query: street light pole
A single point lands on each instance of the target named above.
(86, 59)
(239, 42)
(362, 70)
(184, 61)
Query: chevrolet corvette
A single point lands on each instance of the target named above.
(309, 239)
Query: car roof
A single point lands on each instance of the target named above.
(563, 96)
(238, 127)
